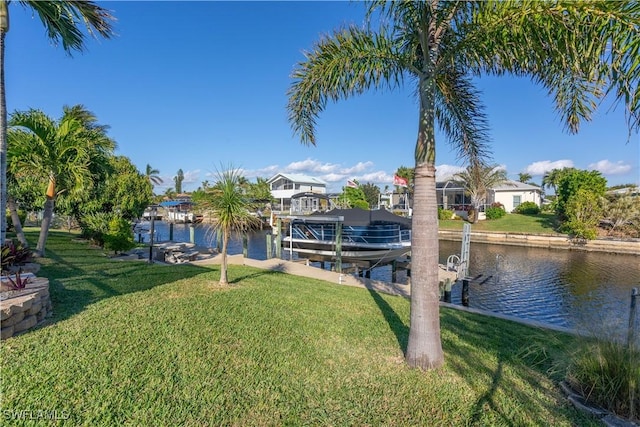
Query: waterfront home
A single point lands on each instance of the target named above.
(284, 186)
(451, 195)
(513, 193)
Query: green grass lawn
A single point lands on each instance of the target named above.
(510, 223)
(152, 345)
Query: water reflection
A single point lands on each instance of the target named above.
(576, 289)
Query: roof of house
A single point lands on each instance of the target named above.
(516, 186)
(304, 179)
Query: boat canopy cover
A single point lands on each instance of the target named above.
(309, 194)
(362, 217)
(171, 203)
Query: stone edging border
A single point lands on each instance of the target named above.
(607, 418)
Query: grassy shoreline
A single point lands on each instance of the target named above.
(138, 344)
(511, 223)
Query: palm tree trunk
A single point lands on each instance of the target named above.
(223, 265)
(424, 349)
(3, 127)
(15, 219)
(47, 218)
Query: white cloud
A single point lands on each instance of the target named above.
(446, 172)
(310, 166)
(191, 177)
(358, 168)
(609, 168)
(544, 166)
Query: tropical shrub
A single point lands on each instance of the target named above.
(16, 281)
(13, 253)
(444, 213)
(583, 214)
(495, 211)
(527, 208)
(119, 237)
(574, 181)
(95, 226)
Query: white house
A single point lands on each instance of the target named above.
(513, 193)
(283, 186)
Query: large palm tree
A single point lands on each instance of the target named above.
(64, 154)
(230, 208)
(578, 51)
(62, 20)
(477, 180)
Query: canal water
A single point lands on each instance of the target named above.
(583, 290)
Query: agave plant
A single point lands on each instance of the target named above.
(18, 282)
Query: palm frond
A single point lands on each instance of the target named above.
(348, 63)
(579, 51)
(62, 20)
(460, 115)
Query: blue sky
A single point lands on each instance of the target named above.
(201, 85)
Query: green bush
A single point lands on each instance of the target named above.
(119, 237)
(527, 208)
(95, 226)
(583, 213)
(444, 213)
(495, 211)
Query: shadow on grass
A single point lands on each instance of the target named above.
(480, 349)
(253, 275)
(548, 221)
(80, 275)
(397, 326)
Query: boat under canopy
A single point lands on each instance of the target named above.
(351, 235)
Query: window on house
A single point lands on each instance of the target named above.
(516, 201)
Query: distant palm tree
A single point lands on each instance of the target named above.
(524, 177)
(552, 178)
(230, 209)
(477, 180)
(439, 47)
(178, 180)
(61, 20)
(63, 154)
(152, 175)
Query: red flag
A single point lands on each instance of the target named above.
(400, 181)
(352, 184)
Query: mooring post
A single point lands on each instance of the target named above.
(171, 232)
(245, 245)
(632, 318)
(192, 233)
(339, 246)
(447, 290)
(269, 246)
(279, 238)
(394, 271)
(151, 232)
(465, 292)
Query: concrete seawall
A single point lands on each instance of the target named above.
(626, 246)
